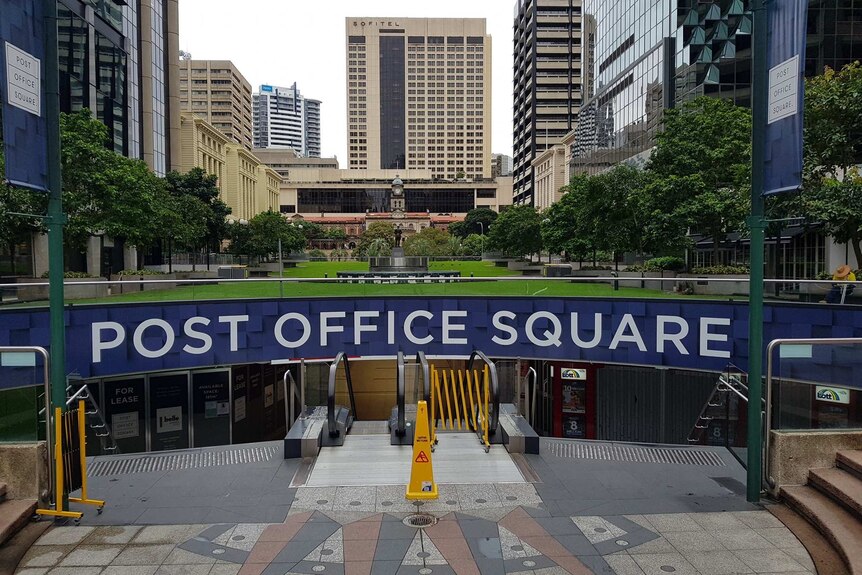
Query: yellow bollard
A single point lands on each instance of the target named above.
(421, 484)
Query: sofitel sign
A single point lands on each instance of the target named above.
(376, 23)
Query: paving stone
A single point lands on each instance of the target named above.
(317, 498)
(669, 522)
(174, 534)
(245, 535)
(225, 569)
(357, 568)
(183, 570)
(801, 556)
(598, 529)
(391, 549)
(530, 563)
(642, 521)
(478, 528)
(741, 539)
(65, 535)
(718, 521)
(518, 494)
(390, 499)
(316, 568)
(130, 570)
(359, 550)
(33, 571)
(652, 564)
(577, 545)
(396, 530)
(478, 497)
(91, 555)
(768, 561)
(182, 557)
(656, 546)
(696, 541)
(558, 525)
(758, 519)
(75, 571)
(717, 563)
(355, 499)
(385, 567)
(112, 535)
(143, 555)
(45, 555)
(624, 565)
(780, 537)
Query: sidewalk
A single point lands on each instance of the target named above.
(579, 517)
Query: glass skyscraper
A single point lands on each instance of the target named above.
(642, 56)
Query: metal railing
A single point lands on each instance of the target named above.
(291, 393)
(768, 478)
(494, 388)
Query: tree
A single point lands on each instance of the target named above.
(701, 167)
(260, 238)
(472, 245)
(428, 242)
(832, 191)
(517, 232)
(336, 234)
(383, 231)
(199, 185)
(477, 221)
(13, 228)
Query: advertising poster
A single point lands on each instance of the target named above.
(574, 397)
(255, 403)
(211, 408)
(169, 412)
(124, 412)
(270, 419)
(574, 426)
(239, 378)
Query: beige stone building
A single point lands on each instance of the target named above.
(419, 95)
(548, 82)
(217, 92)
(247, 185)
(549, 170)
(282, 160)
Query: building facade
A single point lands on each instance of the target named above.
(648, 55)
(501, 165)
(419, 96)
(283, 118)
(119, 60)
(216, 91)
(549, 169)
(246, 184)
(548, 82)
(283, 160)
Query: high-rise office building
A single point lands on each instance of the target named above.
(501, 165)
(120, 60)
(283, 118)
(651, 56)
(548, 82)
(217, 92)
(419, 96)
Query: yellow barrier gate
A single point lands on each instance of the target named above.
(70, 456)
(459, 401)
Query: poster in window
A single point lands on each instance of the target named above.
(574, 426)
(169, 412)
(125, 414)
(211, 408)
(239, 377)
(574, 396)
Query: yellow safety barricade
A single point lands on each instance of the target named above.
(70, 462)
(459, 402)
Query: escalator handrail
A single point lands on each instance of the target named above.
(399, 382)
(426, 375)
(495, 396)
(330, 399)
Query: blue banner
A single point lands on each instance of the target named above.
(119, 339)
(22, 61)
(786, 63)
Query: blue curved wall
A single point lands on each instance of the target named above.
(105, 340)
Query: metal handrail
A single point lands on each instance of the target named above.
(767, 425)
(530, 408)
(401, 428)
(291, 394)
(330, 400)
(46, 357)
(495, 395)
(426, 375)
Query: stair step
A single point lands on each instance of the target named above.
(850, 461)
(2, 491)
(843, 487)
(14, 514)
(839, 526)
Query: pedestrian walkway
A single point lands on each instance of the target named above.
(574, 512)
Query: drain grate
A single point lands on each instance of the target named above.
(420, 520)
(178, 461)
(633, 454)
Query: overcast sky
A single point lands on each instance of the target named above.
(280, 42)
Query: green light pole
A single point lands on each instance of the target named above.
(56, 218)
(760, 92)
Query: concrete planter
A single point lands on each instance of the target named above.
(702, 285)
(70, 289)
(131, 284)
(643, 280)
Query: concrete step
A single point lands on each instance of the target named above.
(850, 461)
(14, 514)
(841, 528)
(843, 487)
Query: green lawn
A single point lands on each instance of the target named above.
(251, 289)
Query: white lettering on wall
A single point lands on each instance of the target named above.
(675, 338)
(326, 329)
(551, 337)
(359, 328)
(597, 332)
(449, 327)
(408, 327)
(233, 320)
(99, 344)
(635, 336)
(279, 330)
(706, 336)
(189, 331)
(138, 338)
(497, 322)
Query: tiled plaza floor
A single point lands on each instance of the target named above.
(577, 517)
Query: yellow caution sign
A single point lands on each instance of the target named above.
(422, 484)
